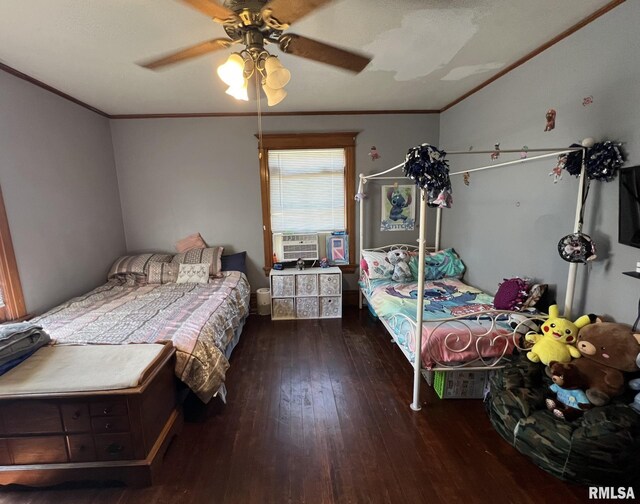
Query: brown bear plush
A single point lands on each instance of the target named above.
(608, 350)
(569, 401)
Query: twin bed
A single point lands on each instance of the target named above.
(202, 320)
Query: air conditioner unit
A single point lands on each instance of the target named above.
(291, 247)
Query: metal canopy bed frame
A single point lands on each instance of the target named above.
(492, 316)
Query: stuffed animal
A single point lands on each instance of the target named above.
(559, 335)
(608, 350)
(570, 400)
(399, 259)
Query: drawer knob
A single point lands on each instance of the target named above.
(114, 449)
(76, 415)
(108, 426)
(106, 411)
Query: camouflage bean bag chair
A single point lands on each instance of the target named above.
(600, 448)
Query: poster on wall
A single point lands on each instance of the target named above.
(398, 208)
(338, 249)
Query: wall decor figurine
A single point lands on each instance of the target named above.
(466, 176)
(398, 208)
(587, 100)
(551, 119)
(374, 154)
(524, 152)
(557, 170)
(496, 152)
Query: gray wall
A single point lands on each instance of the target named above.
(509, 220)
(179, 176)
(60, 190)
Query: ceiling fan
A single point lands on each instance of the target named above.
(255, 24)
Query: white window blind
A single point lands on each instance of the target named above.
(307, 190)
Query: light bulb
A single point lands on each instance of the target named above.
(239, 92)
(277, 75)
(232, 71)
(274, 96)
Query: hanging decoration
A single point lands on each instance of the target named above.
(577, 248)
(374, 154)
(427, 166)
(466, 177)
(557, 170)
(496, 152)
(524, 152)
(551, 120)
(587, 100)
(602, 160)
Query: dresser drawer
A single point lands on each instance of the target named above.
(108, 408)
(5, 456)
(113, 447)
(75, 417)
(105, 425)
(38, 450)
(81, 448)
(31, 417)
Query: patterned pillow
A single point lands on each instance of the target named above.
(443, 264)
(511, 294)
(193, 273)
(162, 273)
(210, 255)
(193, 241)
(136, 264)
(377, 264)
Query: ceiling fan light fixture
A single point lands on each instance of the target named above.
(274, 96)
(232, 71)
(239, 92)
(277, 75)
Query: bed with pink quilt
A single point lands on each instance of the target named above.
(203, 321)
(477, 337)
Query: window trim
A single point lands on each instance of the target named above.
(284, 141)
(14, 306)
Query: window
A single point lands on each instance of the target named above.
(308, 183)
(11, 299)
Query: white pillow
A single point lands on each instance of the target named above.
(193, 273)
(377, 264)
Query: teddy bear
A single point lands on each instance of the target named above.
(399, 259)
(608, 351)
(570, 400)
(559, 335)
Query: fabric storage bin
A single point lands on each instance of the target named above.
(283, 286)
(330, 307)
(330, 284)
(306, 285)
(283, 308)
(307, 307)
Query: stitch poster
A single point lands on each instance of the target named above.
(398, 208)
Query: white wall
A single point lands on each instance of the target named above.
(179, 176)
(508, 221)
(60, 190)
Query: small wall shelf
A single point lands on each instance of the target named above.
(633, 274)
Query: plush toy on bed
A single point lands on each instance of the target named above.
(570, 400)
(399, 259)
(558, 338)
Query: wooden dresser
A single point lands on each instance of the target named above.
(122, 435)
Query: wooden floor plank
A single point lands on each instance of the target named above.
(318, 412)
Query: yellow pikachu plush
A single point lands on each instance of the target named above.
(558, 338)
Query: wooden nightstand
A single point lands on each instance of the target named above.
(306, 294)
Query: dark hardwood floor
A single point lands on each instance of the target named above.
(318, 412)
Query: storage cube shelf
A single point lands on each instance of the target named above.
(306, 294)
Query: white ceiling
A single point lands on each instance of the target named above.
(426, 53)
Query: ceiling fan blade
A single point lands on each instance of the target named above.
(188, 53)
(212, 9)
(324, 53)
(286, 12)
